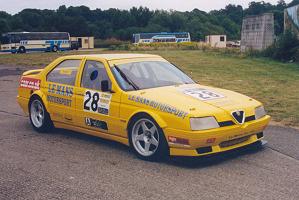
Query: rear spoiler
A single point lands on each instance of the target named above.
(32, 72)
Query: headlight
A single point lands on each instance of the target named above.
(260, 112)
(203, 123)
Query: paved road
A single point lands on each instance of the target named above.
(68, 165)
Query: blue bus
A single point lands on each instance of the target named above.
(161, 37)
(22, 42)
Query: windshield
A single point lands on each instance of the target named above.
(148, 74)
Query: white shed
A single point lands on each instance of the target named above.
(218, 41)
(84, 42)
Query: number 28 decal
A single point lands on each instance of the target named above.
(97, 102)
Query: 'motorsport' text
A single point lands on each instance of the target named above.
(58, 100)
(159, 106)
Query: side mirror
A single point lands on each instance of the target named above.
(105, 86)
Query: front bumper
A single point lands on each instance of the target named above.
(216, 140)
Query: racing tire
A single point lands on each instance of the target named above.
(147, 139)
(22, 50)
(55, 48)
(38, 115)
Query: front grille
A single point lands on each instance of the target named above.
(250, 118)
(230, 122)
(233, 142)
(226, 123)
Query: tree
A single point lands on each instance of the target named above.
(256, 8)
(281, 4)
(4, 27)
(293, 3)
(141, 15)
(4, 22)
(121, 24)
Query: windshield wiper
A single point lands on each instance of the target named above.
(127, 79)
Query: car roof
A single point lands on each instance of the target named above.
(110, 57)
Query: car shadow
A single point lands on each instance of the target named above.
(215, 159)
(88, 138)
(180, 161)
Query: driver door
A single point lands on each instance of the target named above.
(97, 110)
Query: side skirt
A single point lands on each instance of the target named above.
(107, 136)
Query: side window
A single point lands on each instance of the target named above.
(94, 72)
(65, 72)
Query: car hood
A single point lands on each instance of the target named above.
(199, 100)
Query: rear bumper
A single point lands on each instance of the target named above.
(216, 140)
(23, 102)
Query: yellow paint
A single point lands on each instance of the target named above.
(123, 106)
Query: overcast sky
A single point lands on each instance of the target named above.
(15, 6)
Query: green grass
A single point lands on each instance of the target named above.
(273, 83)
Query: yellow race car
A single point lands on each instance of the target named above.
(142, 101)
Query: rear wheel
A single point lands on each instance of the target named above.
(39, 117)
(22, 50)
(147, 139)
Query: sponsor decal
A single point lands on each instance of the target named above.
(202, 94)
(96, 123)
(98, 102)
(59, 100)
(60, 90)
(65, 72)
(30, 83)
(159, 106)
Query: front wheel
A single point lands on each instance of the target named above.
(39, 117)
(147, 139)
(55, 48)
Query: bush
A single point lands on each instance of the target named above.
(167, 46)
(109, 43)
(285, 48)
(254, 53)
